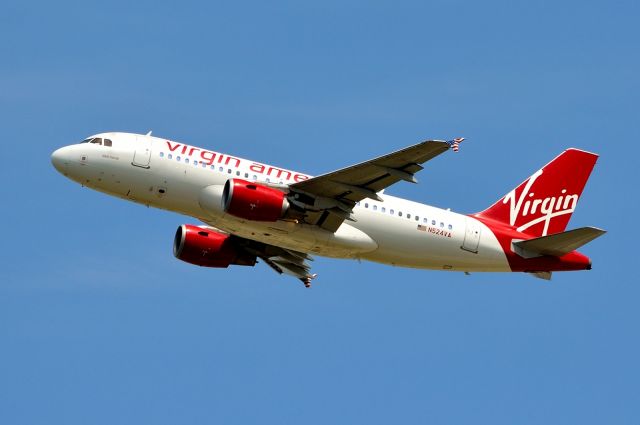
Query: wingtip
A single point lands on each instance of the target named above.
(598, 230)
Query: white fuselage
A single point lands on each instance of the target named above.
(182, 178)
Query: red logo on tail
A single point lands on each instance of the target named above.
(543, 203)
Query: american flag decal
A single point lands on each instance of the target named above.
(455, 143)
(421, 227)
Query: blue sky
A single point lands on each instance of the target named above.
(100, 324)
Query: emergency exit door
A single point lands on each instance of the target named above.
(471, 235)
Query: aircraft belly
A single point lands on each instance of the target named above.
(164, 186)
(346, 242)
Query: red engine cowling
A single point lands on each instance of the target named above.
(253, 201)
(204, 247)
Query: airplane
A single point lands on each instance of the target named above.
(253, 211)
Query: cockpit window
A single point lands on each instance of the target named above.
(98, 141)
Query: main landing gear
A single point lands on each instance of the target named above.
(307, 280)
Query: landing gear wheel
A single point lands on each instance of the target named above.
(307, 280)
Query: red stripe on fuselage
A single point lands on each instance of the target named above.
(547, 263)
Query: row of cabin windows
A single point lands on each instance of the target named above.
(392, 211)
(255, 177)
(221, 169)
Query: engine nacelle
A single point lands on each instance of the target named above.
(253, 201)
(207, 248)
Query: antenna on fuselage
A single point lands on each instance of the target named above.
(149, 133)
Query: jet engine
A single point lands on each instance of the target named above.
(205, 247)
(253, 201)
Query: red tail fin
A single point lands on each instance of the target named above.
(543, 203)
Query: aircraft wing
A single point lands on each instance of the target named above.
(330, 198)
(281, 260)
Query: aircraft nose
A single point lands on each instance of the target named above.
(60, 159)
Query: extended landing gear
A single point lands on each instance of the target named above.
(307, 280)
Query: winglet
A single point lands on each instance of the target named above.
(455, 143)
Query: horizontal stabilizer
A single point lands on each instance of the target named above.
(557, 244)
